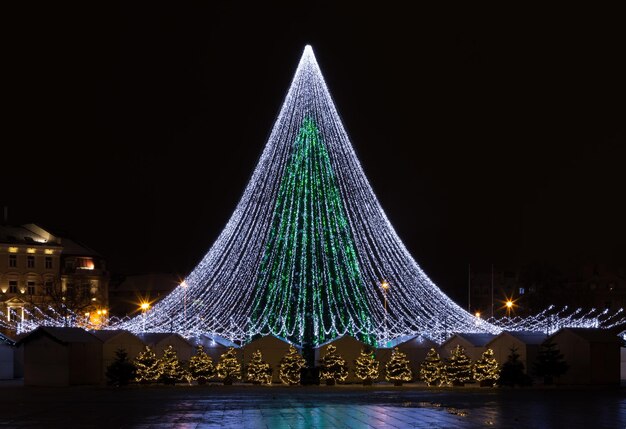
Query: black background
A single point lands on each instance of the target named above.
(491, 135)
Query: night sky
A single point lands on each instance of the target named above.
(489, 136)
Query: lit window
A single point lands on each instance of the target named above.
(12, 249)
(12, 286)
(48, 262)
(48, 251)
(85, 263)
(12, 261)
(521, 291)
(31, 250)
(30, 262)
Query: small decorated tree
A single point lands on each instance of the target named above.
(549, 363)
(201, 366)
(433, 369)
(459, 367)
(366, 367)
(291, 366)
(512, 371)
(147, 366)
(333, 367)
(397, 369)
(170, 368)
(122, 370)
(259, 371)
(228, 367)
(486, 370)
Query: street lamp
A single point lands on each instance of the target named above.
(509, 306)
(144, 308)
(385, 286)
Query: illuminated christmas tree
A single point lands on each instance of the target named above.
(433, 369)
(486, 370)
(549, 363)
(147, 365)
(259, 371)
(366, 367)
(201, 366)
(228, 367)
(308, 248)
(169, 367)
(398, 369)
(459, 367)
(122, 370)
(291, 366)
(333, 367)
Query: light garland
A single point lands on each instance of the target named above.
(459, 366)
(201, 367)
(433, 369)
(228, 367)
(147, 365)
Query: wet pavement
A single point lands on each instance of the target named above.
(276, 407)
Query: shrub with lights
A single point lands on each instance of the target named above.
(228, 367)
(200, 366)
(333, 367)
(259, 371)
(169, 367)
(398, 369)
(433, 369)
(366, 367)
(291, 366)
(147, 365)
(459, 367)
(486, 369)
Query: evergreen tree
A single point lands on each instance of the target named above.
(512, 372)
(549, 363)
(459, 367)
(486, 370)
(201, 366)
(397, 369)
(333, 367)
(291, 366)
(228, 367)
(433, 369)
(122, 370)
(366, 367)
(259, 371)
(170, 368)
(147, 366)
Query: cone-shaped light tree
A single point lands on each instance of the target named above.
(308, 248)
(170, 368)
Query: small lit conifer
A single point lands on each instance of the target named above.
(259, 371)
(228, 367)
(366, 367)
(291, 366)
(397, 369)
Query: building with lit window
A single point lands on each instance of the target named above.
(40, 269)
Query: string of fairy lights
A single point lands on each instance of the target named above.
(309, 254)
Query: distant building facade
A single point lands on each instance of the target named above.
(40, 269)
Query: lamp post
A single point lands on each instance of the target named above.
(509, 307)
(183, 284)
(385, 286)
(144, 308)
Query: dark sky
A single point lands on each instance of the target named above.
(488, 135)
